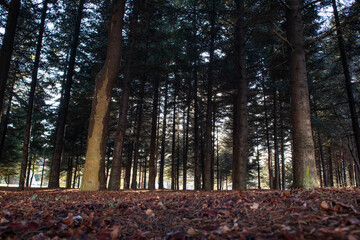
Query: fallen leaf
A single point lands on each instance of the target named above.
(255, 206)
(324, 206)
(149, 212)
(191, 231)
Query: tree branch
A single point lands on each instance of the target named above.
(333, 29)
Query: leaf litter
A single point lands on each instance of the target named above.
(163, 214)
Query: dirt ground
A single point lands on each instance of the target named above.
(253, 214)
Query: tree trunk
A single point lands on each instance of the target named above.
(348, 84)
(276, 147)
(197, 177)
(209, 106)
(331, 173)
(28, 173)
(138, 131)
(271, 177)
(153, 145)
(128, 166)
(304, 166)
(42, 172)
(186, 135)
(97, 135)
(69, 173)
(76, 170)
(64, 104)
(173, 169)
(115, 176)
(241, 120)
(163, 139)
(282, 140)
(30, 106)
(7, 47)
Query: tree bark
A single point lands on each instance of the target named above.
(173, 167)
(128, 166)
(209, 107)
(8, 46)
(276, 147)
(138, 131)
(197, 177)
(64, 104)
(282, 144)
(97, 134)
(30, 106)
(153, 145)
(69, 173)
(271, 176)
(304, 166)
(186, 135)
(163, 139)
(115, 176)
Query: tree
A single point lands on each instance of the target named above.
(114, 182)
(97, 133)
(153, 142)
(64, 104)
(304, 166)
(30, 107)
(241, 125)
(348, 84)
(7, 47)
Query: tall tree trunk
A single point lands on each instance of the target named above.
(30, 106)
(304, 166)
(153, 145)
(28, 173)
(115, 176)
(240, 172)
(128, 165)
(218, 177)
(76, 170)
(163, 139)
(178, 161)
(64, 103)
(348, 84)
(271, 176)
(258, 167)
(331, 172)
(276, 147)
(197, 177)
(8, 46)
(173, 167)
(42, 172)
(282, 140)
(209, 107)
(139, 113)
(322, 158)
(186, 135)
(69, 173)
(97, 136)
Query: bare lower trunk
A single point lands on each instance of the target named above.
(137, 137)
(163, 138)
(153, 145)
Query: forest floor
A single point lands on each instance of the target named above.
(253, 214)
